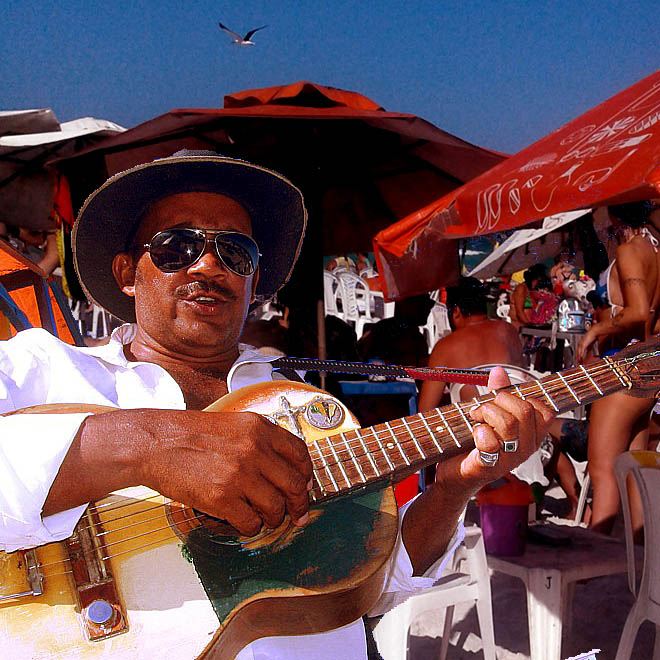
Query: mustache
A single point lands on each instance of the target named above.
(203, 286)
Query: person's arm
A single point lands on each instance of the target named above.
(193, 457)
(636, 303)
(51, 259)
(431, 520)
(518, 301)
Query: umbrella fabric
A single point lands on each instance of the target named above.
(610, 154)
(526, 247)
(29, 138)
(359, 167)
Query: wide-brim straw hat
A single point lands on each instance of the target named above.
(111, 214)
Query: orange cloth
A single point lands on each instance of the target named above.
(27, 302)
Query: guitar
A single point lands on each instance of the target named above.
(145, 577)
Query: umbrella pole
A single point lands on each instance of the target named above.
(320, 318)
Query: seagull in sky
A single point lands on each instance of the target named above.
(238, 40)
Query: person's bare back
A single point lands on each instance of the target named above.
(475, 340)
(490, 341)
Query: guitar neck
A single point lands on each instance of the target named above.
(391, 451)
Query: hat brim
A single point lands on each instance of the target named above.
(111, 215)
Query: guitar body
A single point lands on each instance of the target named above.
(187, 587)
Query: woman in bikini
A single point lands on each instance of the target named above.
(620, 422)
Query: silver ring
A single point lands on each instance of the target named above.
(510, 446)
(489, 459)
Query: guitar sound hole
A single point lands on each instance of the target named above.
(218, 530)
(185, 520)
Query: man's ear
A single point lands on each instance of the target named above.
(123, 269)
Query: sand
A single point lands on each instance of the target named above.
(600, 608)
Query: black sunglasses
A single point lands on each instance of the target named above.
(175, 249)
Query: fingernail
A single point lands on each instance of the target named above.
(310, 484)
(302, 520)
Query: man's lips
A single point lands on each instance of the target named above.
(204, 293)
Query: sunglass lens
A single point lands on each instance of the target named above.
(239, 253)
(176, 249)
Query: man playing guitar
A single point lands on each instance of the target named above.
(182, 248)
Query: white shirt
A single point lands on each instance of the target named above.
(37, 368)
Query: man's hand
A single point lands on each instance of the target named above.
(237, 466)
(431, 519)
(507, 417)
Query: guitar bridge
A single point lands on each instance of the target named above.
(25, 564)
(101, 611)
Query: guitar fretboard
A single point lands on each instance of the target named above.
(351, 460)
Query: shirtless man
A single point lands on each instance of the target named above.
(475, 340)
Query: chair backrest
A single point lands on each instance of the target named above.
(645, 468)
(355, 297)
(330, 293)
(437, 324)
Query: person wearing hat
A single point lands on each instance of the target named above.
(181, 248)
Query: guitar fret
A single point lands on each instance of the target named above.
(339, 463)
(354, 458)
(396, 442)
(591, 380)
(520, 393)
(465, 419)
(451, 433)
(613, 368)
(547, 396)
(414, 439)
(380, 444)
(327, 469)
(430, 432)
(368, 454)
(569, 388)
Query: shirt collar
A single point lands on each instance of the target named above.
(250, 367)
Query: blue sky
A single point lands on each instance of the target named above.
(499, 74)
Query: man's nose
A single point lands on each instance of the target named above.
(209, 263)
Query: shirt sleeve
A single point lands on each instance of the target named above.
(32, 448)
(401, 583)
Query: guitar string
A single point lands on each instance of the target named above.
(405, 445)
(407, 436)
(374, 448)
(451, 415)
(111, 544)
(525, 387)
(91, 552)
(94, 508)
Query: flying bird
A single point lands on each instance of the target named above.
(238, 40)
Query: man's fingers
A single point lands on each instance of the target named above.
(498, 378)
(293, 450)
(291, 483)
(243, 518)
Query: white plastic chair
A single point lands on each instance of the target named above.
(355, 299)
(645, 468)
(437, 325)
(470, 581)
(330, 293)
(99, 314)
